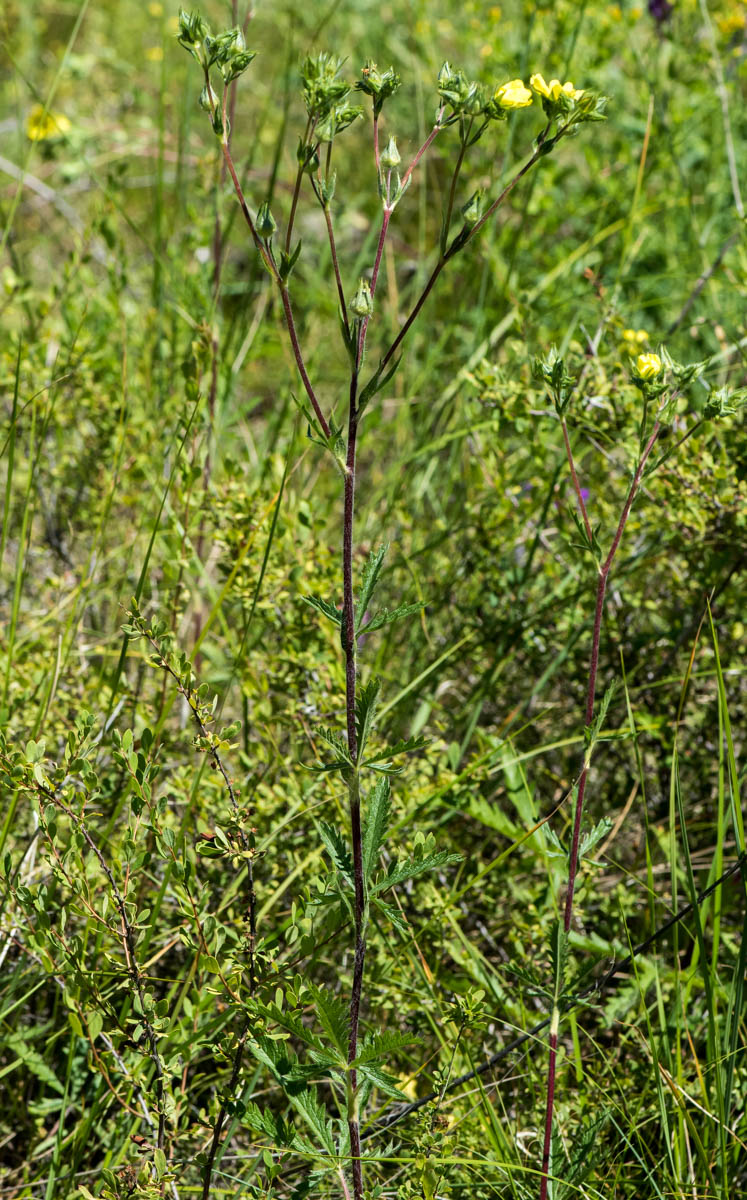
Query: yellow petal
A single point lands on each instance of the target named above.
(42, 124)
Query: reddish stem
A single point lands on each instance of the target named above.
(604, 572)
(431, 136)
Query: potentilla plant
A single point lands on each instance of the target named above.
(664, 386)
(465, 112)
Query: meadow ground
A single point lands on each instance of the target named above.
(281, 857)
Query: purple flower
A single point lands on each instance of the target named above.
(660, 10)
(585, 495)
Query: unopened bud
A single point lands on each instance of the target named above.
(390, 155)
(472, 210)
(362, 302)
(266, 224)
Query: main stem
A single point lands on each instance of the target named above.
(348, 626)
(349, 639)
(604, 572)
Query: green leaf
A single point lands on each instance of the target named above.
(376, 383)
(591, 838)
(592, 732)
(399, 872)
(95, 1025)
(337, 850)
(315, 1116)
(159, 1162)
(365, 711)
(376, 823)
(385, 1082)
(332, 1015)
(368, 582)
(392, 914)
(325, 608)
(401, 747)
(376, 1045)
(385, 616)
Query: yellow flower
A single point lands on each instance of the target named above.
(554, 89)
(154, 53)
(635, 336)
(648, 365)
(42, 124)
(513, 94)
(731, 23)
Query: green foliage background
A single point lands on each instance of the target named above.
(118, 480)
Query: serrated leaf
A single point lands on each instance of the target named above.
(337, 850)
(290, 1021)
(399, 872)
(368, 582)
(385, 616)
(392, 914)
(324, 607)
(401, 747)
(315, 1116)
(591, 732)
(378, 1044)
(365, 711)
(593, 836)
(385, 1082)
(332, 1015)
(376, 823)
(336, 742)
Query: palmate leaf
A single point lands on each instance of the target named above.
(368, 582)
(375, 825)
(325, 608)
(399, 872)
(365, 711)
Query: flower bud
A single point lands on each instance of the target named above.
(390, 155)
(266, 224)
(208, 99)
(362, 302)
(472, 210)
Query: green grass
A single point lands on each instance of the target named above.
(128, 470)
